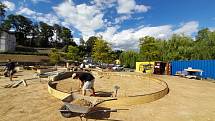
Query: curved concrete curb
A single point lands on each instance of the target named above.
(121, 101)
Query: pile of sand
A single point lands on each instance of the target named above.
(83, 102)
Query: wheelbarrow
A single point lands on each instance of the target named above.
(72, 109)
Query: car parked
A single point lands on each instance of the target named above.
(118, 68)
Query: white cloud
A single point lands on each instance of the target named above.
(122, 18)
(37, 1)
(103, 4)
(26, 11)
(87, 19)
(10, 5)
(212, 29)
(158, 32)
(125, 6)
(128, 6)
(65, 24)
(47, 18)
(110, 31)
(129, 39)
(142, 8)
(188, 28)
(65, 9)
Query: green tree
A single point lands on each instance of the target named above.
(2, 12)
(57, 30)
(89, 45)
(129, 58)
(22, 25)
(149, 49)
(204, 45)
(82, 51)
(82, 47)
(212, 44)
(117, 53)
(66, 36)
(46, 32)
(35, 36)
(82, 42)
(63, 37)
(54, 56)
(178, 47)
(73, 53)
(102, 51)
(6, 25)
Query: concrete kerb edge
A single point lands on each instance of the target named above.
(121, 101)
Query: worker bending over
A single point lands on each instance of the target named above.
(87, 81)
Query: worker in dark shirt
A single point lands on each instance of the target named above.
(10, 69)
(87, 81)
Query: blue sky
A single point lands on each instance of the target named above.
(120, 22)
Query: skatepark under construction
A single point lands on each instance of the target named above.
(139, 97)
(132, 88)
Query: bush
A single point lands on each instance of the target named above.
(54, 56)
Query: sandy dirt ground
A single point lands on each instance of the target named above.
(129, 86)
(188, 100)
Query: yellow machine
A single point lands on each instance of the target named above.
(145, 67)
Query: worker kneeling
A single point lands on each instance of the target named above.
(87, 81)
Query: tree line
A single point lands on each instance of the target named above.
(37, 34)
(177, 47)
(95, 47)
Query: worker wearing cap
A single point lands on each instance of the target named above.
(87, 81)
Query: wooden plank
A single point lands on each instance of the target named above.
(16, 84)
(13, 84)
(8, 85)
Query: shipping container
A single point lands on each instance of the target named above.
(207, 66)
(159, 67)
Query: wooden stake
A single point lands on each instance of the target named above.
(24, 83)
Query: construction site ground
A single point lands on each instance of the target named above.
(188, 100)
